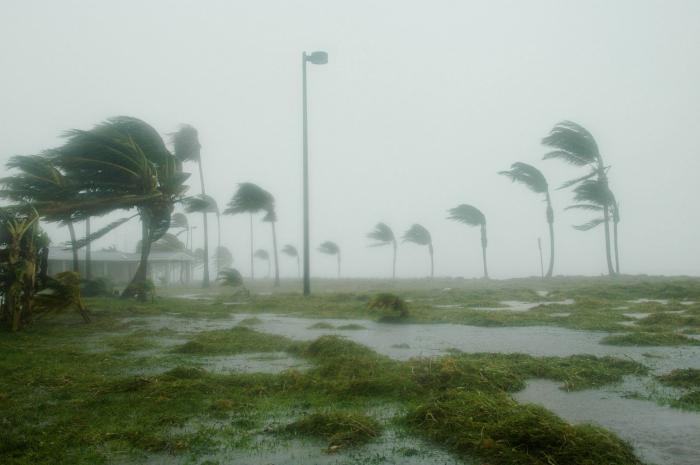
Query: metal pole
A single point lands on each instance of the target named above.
(307, 267)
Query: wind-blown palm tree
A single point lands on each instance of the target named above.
(593, 195)
(262, 254)
(472, 216)
(534, 180)
(417, 234)
(331, 248)
(204, 204)
(230, 277)
(223, 258)
(250, 198)
(573, 144)
(186, 147)
(271, 217)
(39, 181)
(122, 164)
(383, 235)
(292, 251)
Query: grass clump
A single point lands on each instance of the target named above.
(321, 325)
(641, 338)
(351, 327)
(498, 429)
(340, 429)
(687, 379)
(252, 321)
(239, 339)
(393, 307)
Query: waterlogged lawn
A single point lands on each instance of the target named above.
(115, 391)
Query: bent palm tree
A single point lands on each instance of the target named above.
(417, 234)
(271, 217)
(383, 235)
(534, 180)
(249, 198)
(472, 216)
(292, 251)
(573, 144)
(262, 254)
(204, 204)
(186, 147)
(331, 248)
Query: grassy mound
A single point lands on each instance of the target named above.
(683, 378)
(392, 306)
(340, 429)
(498, 429)
(321, 325)
(238, 339)
(649, 339)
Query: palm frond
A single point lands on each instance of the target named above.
(595, 192)
(186, 144)
(290, 250)
(249, 198)
(572, 143)
(261, 254)
(528, 175)
(179, 221)
(585, 206)
(382, 234)
(590, 225)
(417, 234)
(200, 203)
(80, 243)
(329, 248)
(467, 214)
(230, 277)
(578, 180)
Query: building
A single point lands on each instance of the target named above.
(164, 268)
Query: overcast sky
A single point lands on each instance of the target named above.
(421, 103)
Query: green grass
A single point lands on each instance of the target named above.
(239, 339)
(688, 380)
(340, 429)
(640, 338)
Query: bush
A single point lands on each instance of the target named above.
(98, 287)
(392, 305)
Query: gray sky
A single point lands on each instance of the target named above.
(419, 107)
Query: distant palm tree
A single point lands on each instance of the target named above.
(593, 195)
(262, 254)
(205, 204)
(186, 147)
(292, 251)
(534, 180)
(271, 217)
(179, 223)
(573, 144)
(417, 234)
(331, 248)
(223, 258)
(472, 216)
(383, 235)
(249, 198)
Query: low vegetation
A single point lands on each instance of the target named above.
(340, 429)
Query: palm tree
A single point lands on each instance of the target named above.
(223, 258)
(249, 198)
(186, 147)
(472, 216)
(331, 248)
(122, 164)
(573, 144)
(534, 180)
(271, 217)
(292, 251)
(205, 204)
(262, 254)
(383, 235)
(417, 234)
(230, 277)
(38, 182)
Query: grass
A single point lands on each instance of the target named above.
(340, 429)
(640, 338)
(63, 403)
(688, 380)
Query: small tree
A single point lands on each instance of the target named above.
(472, 216)
(383, 235)
(331, 248)
(417, 234)
(292, 251)
(262, 254)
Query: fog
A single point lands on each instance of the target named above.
(419, 107)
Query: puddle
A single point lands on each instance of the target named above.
(519, 306)
(648, 301)
(193, 297)
(660, 435)
(275, 362)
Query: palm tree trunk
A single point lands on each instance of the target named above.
(484, 243)
(205, 274)
(137, 285)
(73, 246)
(274, 247)
(606, 224)
(550, 222)
(432, 264)
(617, 252)
(88, 250)
(218, 242)
(252, 264)
(393, 269)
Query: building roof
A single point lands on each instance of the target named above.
(59, 254)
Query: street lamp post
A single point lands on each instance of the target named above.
(316, 58)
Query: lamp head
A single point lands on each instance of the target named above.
(318, 58)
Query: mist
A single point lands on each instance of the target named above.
(419, 107)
